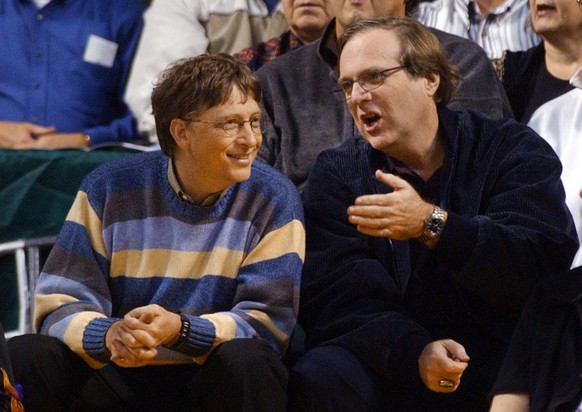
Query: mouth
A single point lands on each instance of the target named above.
(241, 157)
(369, 119)
(544, 7)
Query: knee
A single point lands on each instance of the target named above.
(33, 353)
(243, 358)
(330, 378)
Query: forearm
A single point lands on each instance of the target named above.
(510, 402)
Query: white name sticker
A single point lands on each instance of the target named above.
(100, 51)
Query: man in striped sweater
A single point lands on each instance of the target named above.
(173, 284)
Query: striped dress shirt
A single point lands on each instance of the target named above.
(507, 27)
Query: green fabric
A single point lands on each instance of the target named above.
(37, 188)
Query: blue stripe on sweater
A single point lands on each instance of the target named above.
(152, 233)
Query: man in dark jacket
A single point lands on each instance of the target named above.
(305, 112)
(424, 238)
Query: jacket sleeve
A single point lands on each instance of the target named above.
(350, 294)
(523, 230)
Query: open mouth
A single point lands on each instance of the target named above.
(370, 119)
(543, 7)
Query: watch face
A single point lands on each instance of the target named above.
(435, 226)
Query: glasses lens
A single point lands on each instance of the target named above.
(230, 127)
(346, 86)
(255, 123)
(371, 80)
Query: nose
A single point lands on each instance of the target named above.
(359, 93)
(246, 135)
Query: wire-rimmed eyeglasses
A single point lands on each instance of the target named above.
(232, 126)
(369, 80)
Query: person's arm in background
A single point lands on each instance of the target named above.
(126, 27)
(92, 109)
(171, 31)
(20, 135)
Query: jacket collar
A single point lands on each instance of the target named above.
(328, 47)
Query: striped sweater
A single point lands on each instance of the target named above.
(129, 240)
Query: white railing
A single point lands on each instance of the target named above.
(27, 257)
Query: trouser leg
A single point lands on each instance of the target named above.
(240, 375)
(50, 373)
(330, 378)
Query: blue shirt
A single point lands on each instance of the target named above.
(66, 65)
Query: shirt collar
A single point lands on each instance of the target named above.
(576, 80)
(499, 11)
(328, 46)
(177, 188)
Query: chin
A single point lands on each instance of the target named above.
(241, 176)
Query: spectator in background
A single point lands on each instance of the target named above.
(306, 18)
(304, 111)
(174, 281)
(64, 71)
(544, 85)
(424, 238)
(495, 25)
(542, 371)
(176, 29)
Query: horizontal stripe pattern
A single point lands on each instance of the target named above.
(130, 241)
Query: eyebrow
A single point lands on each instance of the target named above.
(368, 70)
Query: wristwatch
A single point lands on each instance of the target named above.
(433, 225)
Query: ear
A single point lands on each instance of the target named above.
(178, 128)
(432, 82)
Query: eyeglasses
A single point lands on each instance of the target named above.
(369, 81)
(232, 126)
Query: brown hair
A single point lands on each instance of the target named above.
(421, 53)
(193, 85)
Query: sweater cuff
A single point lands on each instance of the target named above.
(196, 336)
(98, 135)
(94, 338)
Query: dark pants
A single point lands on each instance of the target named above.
(240, 375)
(331, 378)
(4, 359)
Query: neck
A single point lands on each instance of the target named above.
(426, 164)
(487, 6)
(339, 30)
(563, 56)
(425, 155)
(197, 193)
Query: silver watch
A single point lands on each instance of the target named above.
(433, 225)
